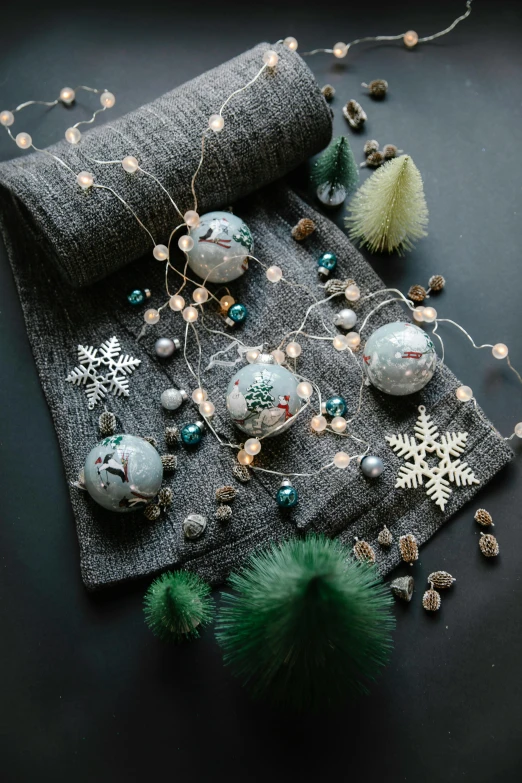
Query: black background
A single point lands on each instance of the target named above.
(87, 693)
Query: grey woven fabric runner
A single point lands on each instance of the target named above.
(40, 223)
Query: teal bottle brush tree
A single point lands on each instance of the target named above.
(177, 605)
(335, 173)
(306, 625)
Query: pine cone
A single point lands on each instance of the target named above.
(152, 512)
(390, 151)
(374, 160)
(417, 293)
(225, 494)
(169, 462)
(484, 518)
(335, 286)
(436, 283)
(441, 579)
(328, 91)
(107, 424)
(409, 548)
(355, 114)
(223, 513)
(241, 472)
(488, 545)
(303, 229)
(431, 600)
(377, 88)
(172, 436)
(385, 538)
(151, 440)
(363, 551)
(370, 146)
(165, 497)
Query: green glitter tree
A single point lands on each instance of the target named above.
(307, 625)
(335, 173)
(176, 605)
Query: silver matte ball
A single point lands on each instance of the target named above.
(372, 467)
(164, 347)
(171, 399)
(346, 319)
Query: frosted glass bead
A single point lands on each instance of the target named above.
(191, 218)
(160, 252)
(244, 458)
(518, 429)
(339, 424)
(418, 315)
(464, 393)
(130, 164)
(185, 243)
(274, 274)
(207, 408)
(200, 295)
(429, 314)
(227, 301)
(353, 293)
(216, 122)
(410, 39)
(340, 343)
(278, 356)
(331, 195)
(271, 58)
(253, 446)
(23, 140)
(291, 43)
(107, 99)
(304, 390)
(176, 303)
(252, 355)
(6, 118)
(199, 395)
(72, 135)
(85, 179)
(190, 314)
(341, 460)
(500, 351)
(151, 316)
(67, 95)
(293, 350)
(318, 423)
(340, 50)
(353, 340)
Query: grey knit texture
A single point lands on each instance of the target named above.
(338, 503)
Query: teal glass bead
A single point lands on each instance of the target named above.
(336, 406)
(287, 496)
(237, 313)
(326, 264)
(191, 434)
(136, 297)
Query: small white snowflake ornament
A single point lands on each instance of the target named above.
(446, 447)
(103, 370)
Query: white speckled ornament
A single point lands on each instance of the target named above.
(222, 242)
(399, 358)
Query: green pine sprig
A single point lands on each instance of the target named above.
(176, 605)
(336, 166)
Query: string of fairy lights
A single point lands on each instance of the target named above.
(289, 348)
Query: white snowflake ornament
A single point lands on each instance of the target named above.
(446, 447)
(103, 370)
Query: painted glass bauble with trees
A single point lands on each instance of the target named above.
(262, 398)
(123, 473)
(222, 243)
(399, 358)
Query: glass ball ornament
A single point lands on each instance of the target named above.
(341, 460)
(287, 495)
(331, 195)
(23, 140)
(518, 429)
(160, 252)
(6, 118)
(340, 50)
(123, 473)
(130, 164)
(399, 359)
(222, 242)
(191, 433)
(372, 466)
(165, 347)
(172, 399)
(500, 351)
(464, 393)
(176, 303)
(345, 319)
(216, 123)
(107, 99)
(410, 39)
(262, 398)
(136, 297)
(271, 58)
(352, 293)
(72, 135)
(318, 424)
(67, 95)
(336, 406)
(293, 350)
(291, 43)
(326, 264)
(236, 314)
(151, 316)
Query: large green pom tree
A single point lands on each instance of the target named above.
(307, 625)
(177, 605)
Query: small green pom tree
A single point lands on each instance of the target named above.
(335, 172)
(389, 210)
(176, 605)
(307, 625)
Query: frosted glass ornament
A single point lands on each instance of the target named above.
(222, 242)
(331, 195)
(399, 358)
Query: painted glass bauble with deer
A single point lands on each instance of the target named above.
(222, 244)
(262, 399)
(123, 473)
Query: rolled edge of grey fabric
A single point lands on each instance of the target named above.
(270, 128)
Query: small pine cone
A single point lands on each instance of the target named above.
(165, 497)
(355, 114)
(303, 229)
(169, 462)
(223, 513)
(172, 436)
(241, 472)
(225, 494)
(488, 545)
(441, 579)
(335, 286)
(417, 293)
(409, 548)
(390, 151)
(436, 283)
(385, 538)
(377, 88)
(107, 424)
(370, 146)
(152, 512)
(151, 440)
(363, 551)
(374, 160)
(328, 91)
(431, 600)
(484, 518)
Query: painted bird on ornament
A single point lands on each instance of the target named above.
(215, 228)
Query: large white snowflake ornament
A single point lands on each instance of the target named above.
(417, 449)
(103, 370)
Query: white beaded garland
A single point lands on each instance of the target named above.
(341, 460)
(252, 355)
(6, 118)
(410, 39)
(293, 350)
(107, 99)
(199, 395)
(85, 180)
(291, 43)
(185, 243)
(429, 314)
(464, 393)
(304, 390)
(216, 122)
(318, 423)
(200, 295)
(339, 342)
(227, 301)
(67, 95)
(176, 303)
(500, 351)
(72, 135)
(353, 340)
(271, 58)
(151, 316)
(23, 140)
(353, 293)
(418, 315)
(190, 314)
(340, 50)
(253, 446)
(278, 356)
(274, 274)
(518, 429)
(160, 252)
(207, 408)
(244, 458)
(130, 164)
(339, 424)
(191, 218)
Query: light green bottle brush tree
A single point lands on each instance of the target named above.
(335, 173)
(389, 212)
(177, 605)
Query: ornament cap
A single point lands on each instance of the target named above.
(177, 343)
(286, 482)
(265, 358)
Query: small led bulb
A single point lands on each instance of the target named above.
(130, 164)
(340, 50)
(6, 118)
(207, 408)
(500, 351)
(23, 140)
(293, 350)
(518, 429)
(410, 39)
(340, 343)
(190, 314)
(341, 460)
(339, 424)
(271, 58)
(278, 356)
(291, 43)
(176, 303)
(185, 243)
(244, 458)
(85, 179)
(107, 100)
(72, 135)
(200, 295)
(161, 252)
(464, 393)
(352, 293)
(429, 314)
(253, 446)
(274, 274)
(151, 316)
(304, 390)
(67, 95)
(318, 423)
(418, 315)
(252, 355)
(199, 395)
(227, 301)
(191, 218)
(216, 122)
(353, 340)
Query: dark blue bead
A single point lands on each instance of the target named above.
(287, 497)
(136, 297)
(327, 261)
(191, 434)
(237, 313)
(336, 406)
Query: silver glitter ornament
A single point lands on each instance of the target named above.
(165, 347)
(171, 399)
(194, 525)
(402, 587)
(372, 466)
(346, 319)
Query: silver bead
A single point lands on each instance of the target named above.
(346, 319)
(165, 347)
(171, 399)
(371, 466)
(194, 525)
